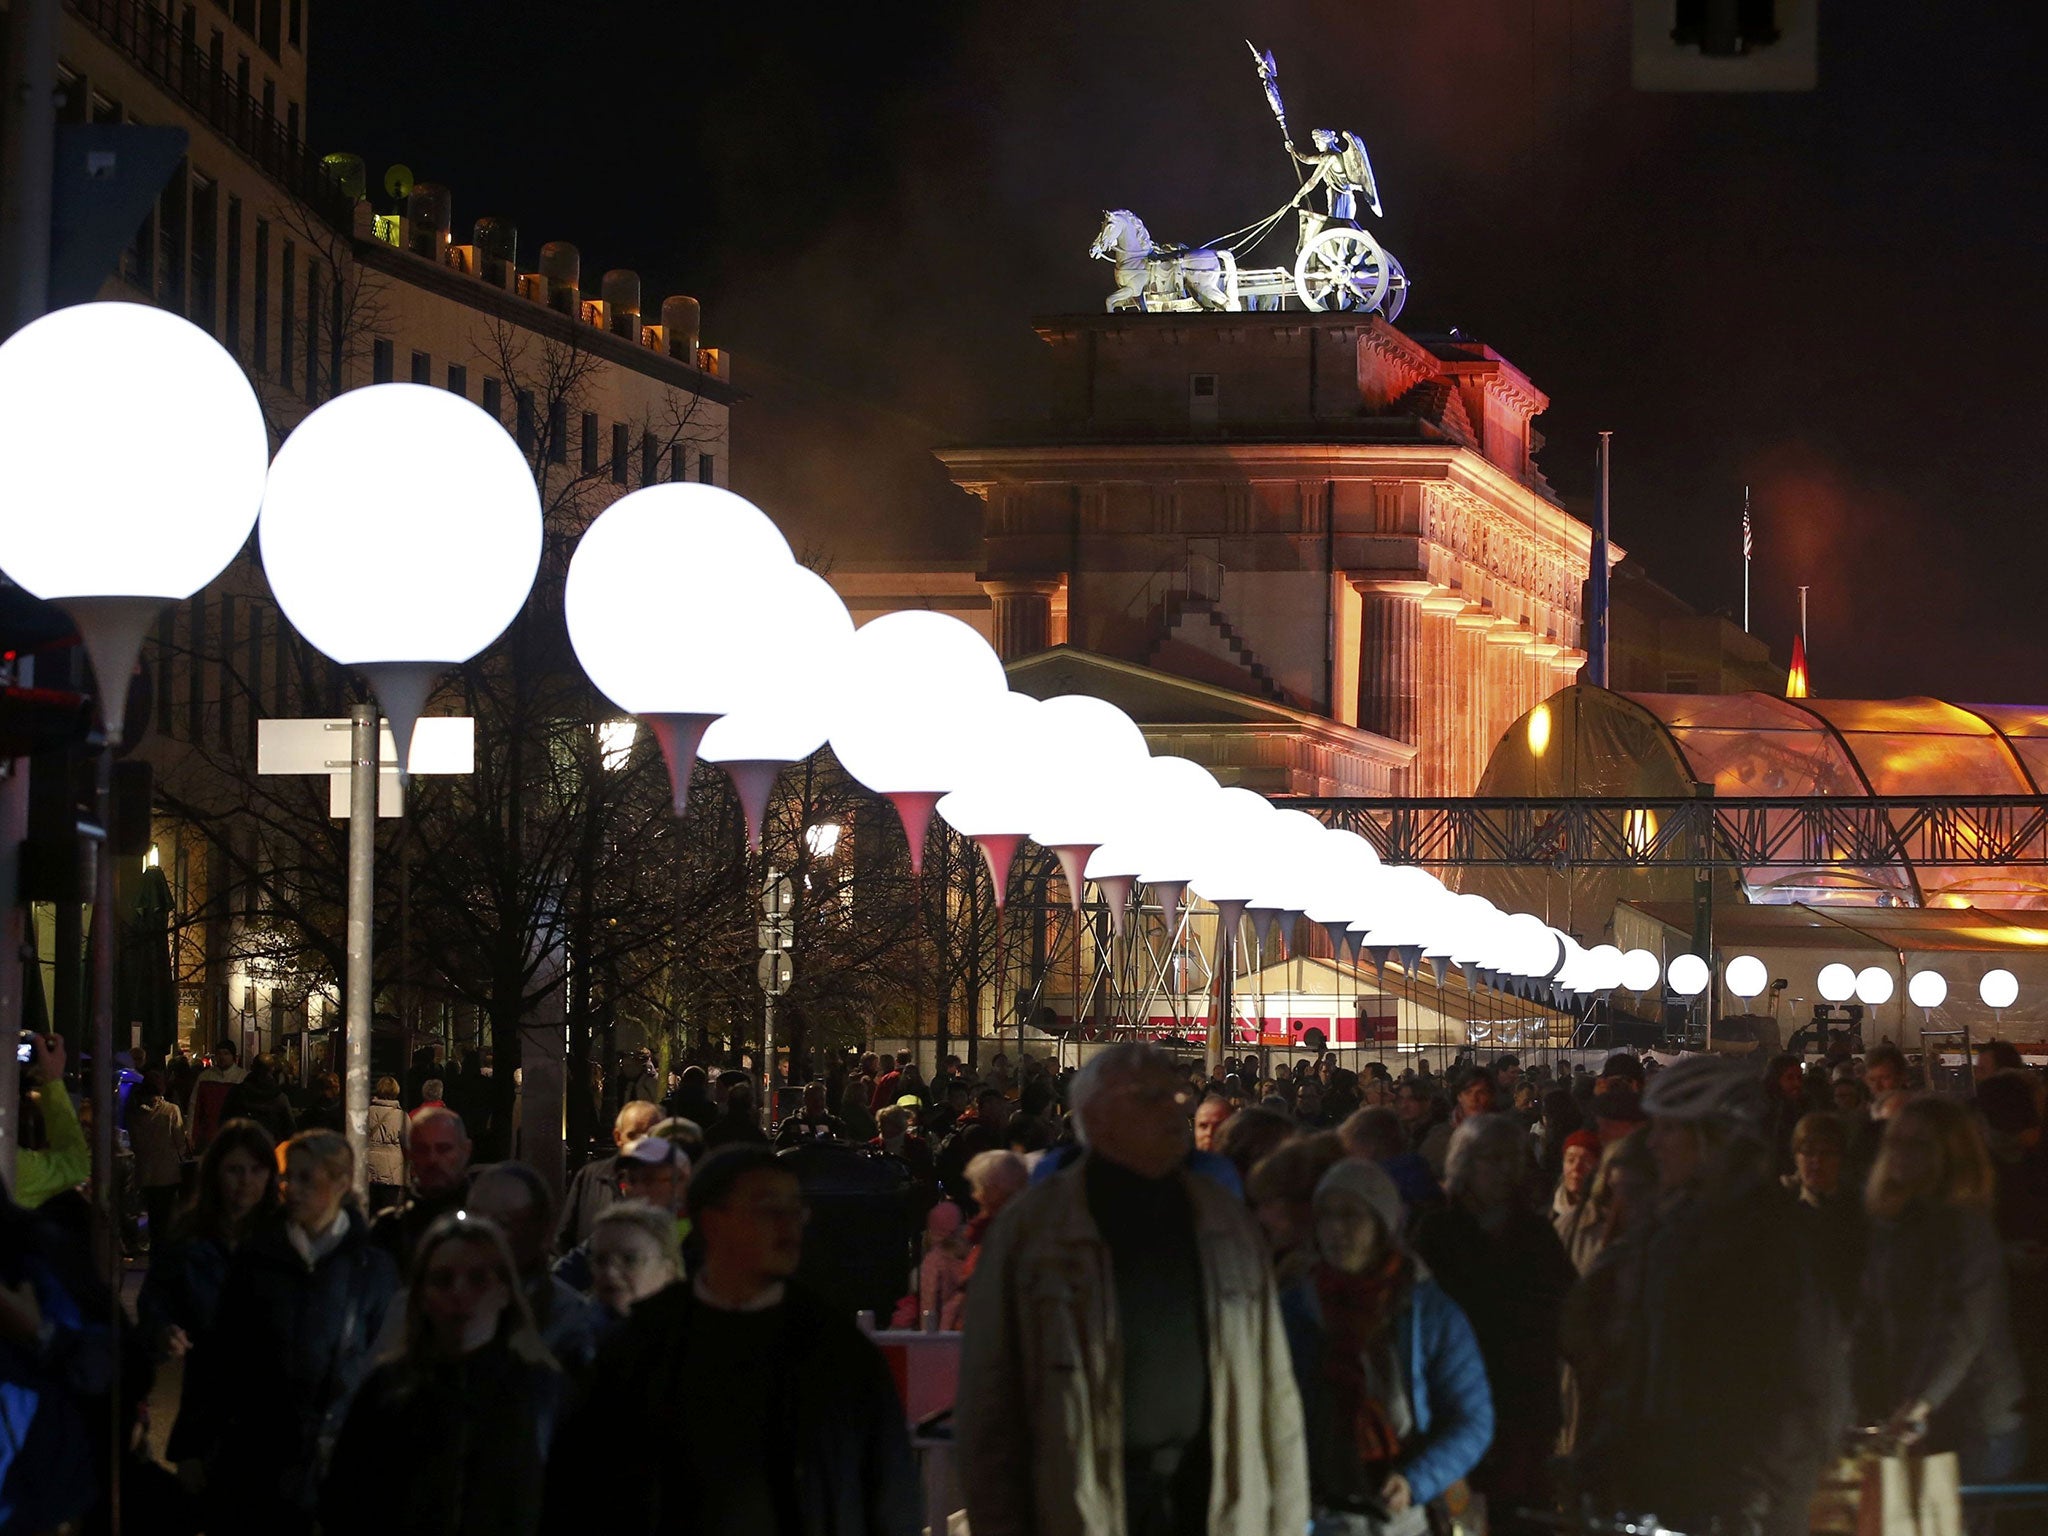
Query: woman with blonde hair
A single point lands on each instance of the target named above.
(449, 1436)
(305, 1297)
(1934, 1357)
(634, 1252)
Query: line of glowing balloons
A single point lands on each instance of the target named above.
(401, 532)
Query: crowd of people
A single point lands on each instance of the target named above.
(1262, 1297)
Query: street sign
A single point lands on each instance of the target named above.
(778, 895)
(775, 972)
(776, 936)
(440, 744)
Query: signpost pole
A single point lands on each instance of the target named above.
(362, 852)
(775, 972)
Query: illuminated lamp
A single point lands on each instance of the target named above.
(1999, 989)
(804, 632)
(909, 722)
(1640, 970)
(1746, 976)
(1089, 754)
(406, 560)
(1688, 975)
(1177, 792)
(993, 804)
(1539, 730)
(1927, 989)
(1224, 855)
(1164, 795)
(1286, 869)
(134, 468)
(1605, 966)
(1346, 867)
(1873, 986)
(663, 600)
(1837, 982)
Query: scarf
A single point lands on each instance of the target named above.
(1356, 1311)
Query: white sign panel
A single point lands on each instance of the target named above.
(440, 744)
(390, 795)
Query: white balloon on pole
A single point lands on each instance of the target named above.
(136, 454)
(1688, 975)
(1746, 976)
(802, 635)
(1874, 985)
(1640, 970)
(1837, 982)
(1999, 989)
(1927, 989)
(1089, 757)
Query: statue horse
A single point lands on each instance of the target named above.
(1154, 276)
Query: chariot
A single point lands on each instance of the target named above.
(1337, 266)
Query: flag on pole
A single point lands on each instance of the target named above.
(1795, 680)
(1748, 537)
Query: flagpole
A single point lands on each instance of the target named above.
(1747, 544)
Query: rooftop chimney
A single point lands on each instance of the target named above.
(561, 267)
(682, 319)
(429, 215)
(621, 292)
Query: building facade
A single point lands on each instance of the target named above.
(1314, 510)
(317, 285)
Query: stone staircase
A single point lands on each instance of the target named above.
(1185, 619)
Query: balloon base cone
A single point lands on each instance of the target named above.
(1116, 892)
(914, 809)
(999, 851)
(113, 629)
(1169, 894)
(1073, 859)
(678, 736)
(401, 689)
(753, 781)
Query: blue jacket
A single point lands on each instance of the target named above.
(1448, 1396)
(1213, 1166)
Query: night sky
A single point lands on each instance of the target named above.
(1834, 296)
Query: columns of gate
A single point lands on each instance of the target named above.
(1020, 614)
(1390, 661)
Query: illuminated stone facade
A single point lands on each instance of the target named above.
(1314, 510)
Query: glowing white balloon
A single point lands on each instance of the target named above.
(1606, 966)
(1639, 970)
(135, 454)
(1874, 986)
(1688, 975)
(804, 633)
(1837, 982)
(1746, 976)
(1089, 756)
(1927, 989)
(662, 594)
(1999, 989)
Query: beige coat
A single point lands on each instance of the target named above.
(1040, 1412)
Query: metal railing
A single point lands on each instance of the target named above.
(1621, 832)
(150, 41)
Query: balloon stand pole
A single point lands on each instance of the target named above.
(362, 855)
(113, 629)
(402, 689)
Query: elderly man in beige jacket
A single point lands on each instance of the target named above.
(1124, 1369)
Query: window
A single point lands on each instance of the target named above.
(295, 21)
(270, 26)
(494, 399)
(74, 101)
(245, 15)
(558, 432)
(226, 663)
(675, 461)
(252, 678)
(173, 228)
(291, 122)
(262, 257)
(205, 252)
(381, 361)
(234, 294)
(312, 333)
(195, 672)
(166, 644)
(650, 458)
(1202, 399)
(269, 102)
(590, 442)
(286, 319)
(622, 449)
(422, 368)
(707, 469)
(524, 432)
(458, 380)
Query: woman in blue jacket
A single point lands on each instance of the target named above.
(1393, 1390)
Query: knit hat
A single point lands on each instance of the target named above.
(1584, 1139)
(1369, 1182)
(943, 1221)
